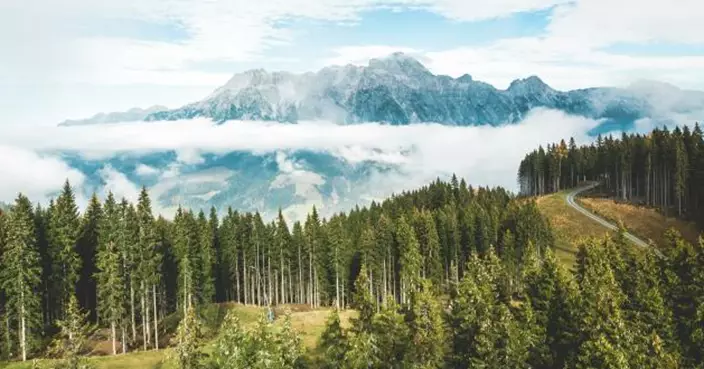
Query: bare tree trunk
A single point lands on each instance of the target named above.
(337, 287)
(237, 278)
(291, 294)
(134, 321)
(23, 327)
(124, 339)
(114, 339)
(300, 275)
(310, 279)
(245, 285)
(386, 292)
(144, 324)
(156, 319)
(283, 277)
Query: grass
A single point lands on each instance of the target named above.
(309, 323)
(569, 225)
(646, 223)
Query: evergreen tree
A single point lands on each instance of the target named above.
(110, 272)
(606, 341)
(21, 275)
(71, 341)
(363, 303)
(232, 347)
(64, 231)
(87, 249)
(410, 259)
(188, 336)
(205, 259)
(427, 329)
(333, 344)
(392, 334)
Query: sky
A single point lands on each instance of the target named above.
(73, 58)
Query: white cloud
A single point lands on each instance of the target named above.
(144, 170)
(232, 31)
(37, 176)
(360, 55)
(484, 155)
(118, 183)
(604, 22)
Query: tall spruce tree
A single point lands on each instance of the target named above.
(410, 258)
(427, 329)
(87, 248)
(21, 275)
(64, 231)
(110, 276)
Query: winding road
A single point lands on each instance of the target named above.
(571, 202)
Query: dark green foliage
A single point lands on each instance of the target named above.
(662, 169)
(64, 230)
(21, 277)
(443, 276)
(188, 335)
(333, 344)
(427, 329)
(70, 344)
(392, 334)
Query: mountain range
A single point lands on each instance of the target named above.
(398, 90)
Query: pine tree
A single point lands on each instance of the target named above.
(289, 344)
(71, 341)
(64, 231)
(606, 340)
(188, 336)
(110, 272)
(233, 346)
(333, 343)
(87, 249)
(21, 274)
(205, 259)
(430, 246)
(148, 266)
(392, 334)
(362, 352)
(363, 303)
(410, 259)
(427, 329)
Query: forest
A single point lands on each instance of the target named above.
(662, 169)
(445, 276)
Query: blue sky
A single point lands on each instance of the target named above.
(76, 57)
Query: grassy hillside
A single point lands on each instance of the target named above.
(309, 323)
(569, 225)
(647, 223)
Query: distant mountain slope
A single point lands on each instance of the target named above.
(134, 114)
(400, 90)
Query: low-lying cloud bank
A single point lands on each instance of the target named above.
(34, 161)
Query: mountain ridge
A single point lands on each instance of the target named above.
(399, 89)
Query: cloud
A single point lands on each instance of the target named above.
(144, 170)
(118, 183)
(35, 175)
(232, 31)
(418, 153)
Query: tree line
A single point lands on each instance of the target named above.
(663, 169)
(128, 269)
